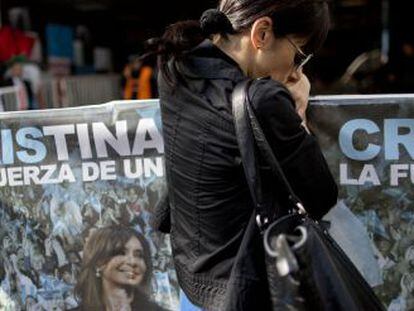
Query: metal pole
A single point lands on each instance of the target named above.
(385, 36)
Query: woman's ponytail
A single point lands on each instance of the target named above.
(183, 36)
(177, 39)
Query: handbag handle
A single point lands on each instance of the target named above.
(250, 134)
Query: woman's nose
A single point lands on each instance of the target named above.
(132, 260)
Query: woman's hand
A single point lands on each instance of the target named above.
(300, 90)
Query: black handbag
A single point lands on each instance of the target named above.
(306, 268)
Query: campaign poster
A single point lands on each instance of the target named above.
(78, 188)
(368, 142)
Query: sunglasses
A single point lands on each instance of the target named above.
(301, 59)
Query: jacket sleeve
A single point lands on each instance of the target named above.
(297, 151)
(161, 218)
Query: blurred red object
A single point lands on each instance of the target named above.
(14, 42)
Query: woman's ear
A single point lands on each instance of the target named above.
(261, 32)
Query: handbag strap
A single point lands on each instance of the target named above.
(246, 142)
(249, 136)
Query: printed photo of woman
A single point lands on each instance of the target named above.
(116, 272)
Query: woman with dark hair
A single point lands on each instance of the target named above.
(116, 271)
(269, 42)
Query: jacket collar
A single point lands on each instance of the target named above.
(209, 62)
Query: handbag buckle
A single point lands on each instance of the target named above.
(261, 222)
(286, 262)
(301, 208)
(283, 247)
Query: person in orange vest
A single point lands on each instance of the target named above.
(141, 74)
(131, 79)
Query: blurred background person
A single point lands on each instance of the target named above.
(130, 78)
(140, 75)
(15, 78)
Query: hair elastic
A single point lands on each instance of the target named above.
(214, 21)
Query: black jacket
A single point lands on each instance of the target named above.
(208, 195)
